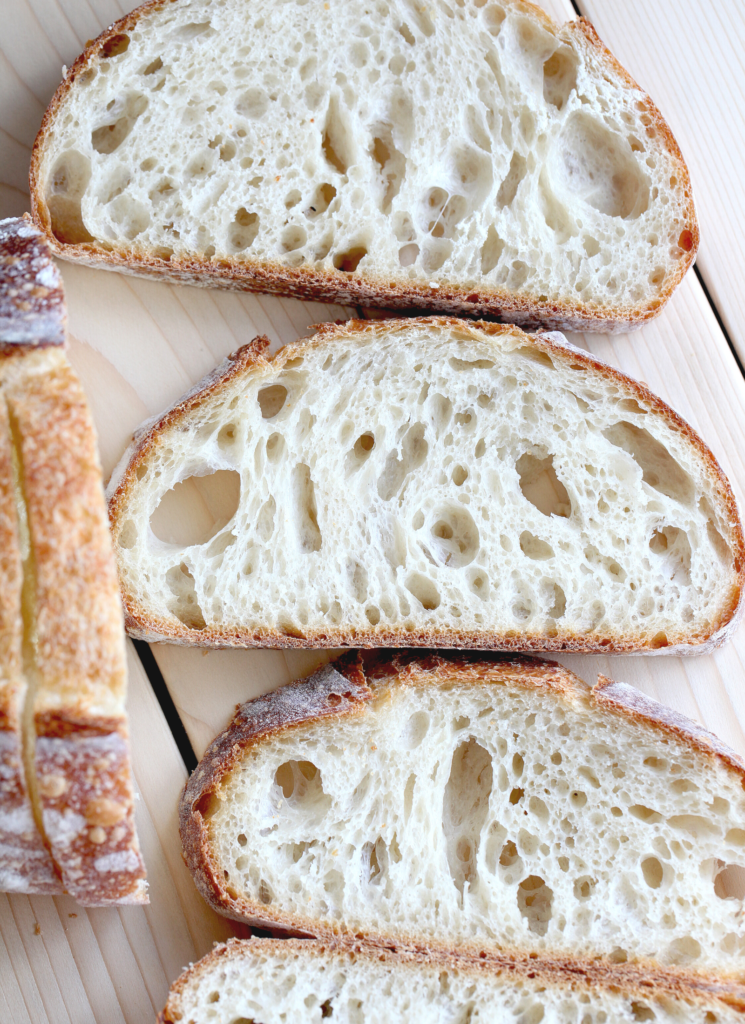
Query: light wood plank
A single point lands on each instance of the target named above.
(138, 345)
(690, 57)
(60, 963)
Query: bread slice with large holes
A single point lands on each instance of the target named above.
(66, 799)
(465, 156)
(475, 803)
(425, 482)
(303, 981)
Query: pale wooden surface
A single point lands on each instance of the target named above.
(138, 345)
(690, 57)
(61, 963)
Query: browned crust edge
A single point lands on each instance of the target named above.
(340, 689)
(80, 778)
(251, 358)
(645, 981)
(336, 286)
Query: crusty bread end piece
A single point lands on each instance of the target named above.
(63, 660)
(467, 157)
(427, 482)
(475, 803)
(305, 981)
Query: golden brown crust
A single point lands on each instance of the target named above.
(79, 654)
(639, 980)
(344, 688)
(25, 863)
(232, 273)
(251, 359)
(68, 646)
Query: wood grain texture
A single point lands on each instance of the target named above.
(138, 345)
(690, 56)
(60, 963)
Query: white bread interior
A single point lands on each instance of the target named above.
(428, 482)
(463, 147)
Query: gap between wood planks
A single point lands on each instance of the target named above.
(145, 654)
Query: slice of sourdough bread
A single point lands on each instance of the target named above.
(425, 482)
(67, 802)
(468, 156)
(475, 803)
(303, 981)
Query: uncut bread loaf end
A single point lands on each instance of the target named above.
(476, 804)
(466, 156)
(304, 982)
(428, 482)
(66, 799)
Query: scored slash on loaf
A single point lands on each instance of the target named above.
(461, 156)
(429, 482)
(66, 800)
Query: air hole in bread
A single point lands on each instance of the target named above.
(464, 810)
(294, 236)
(408, 255)
(414, 449)
(641, 1012)
(454, 537)
(459, 475)
(559, 76)
(349, 260)
(305, 511)
(729, 881)
(128, 534)
(67, 184)
(652, 871)
(541, 486)
(659, 468)
(185, 607)
(185, 33)
(323, 196)
(129, 215)
(716, 539)
(391, 164)
(534, 899)
(196, 509)
(153, 66)
(491, 250)
(515, 174)
(271, 402)
(672, 546)
(108, 137)
(115, 45)
(227, 437)
(584, 887)
(424, 590)
(407, 34)
(464, 365)
(337, 140)
(364, 445)
(597, 166)
(243, 230)
(645, 814)
(534, 547)
(683, 951)
(301, 785)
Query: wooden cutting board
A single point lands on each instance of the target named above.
(138, 345)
